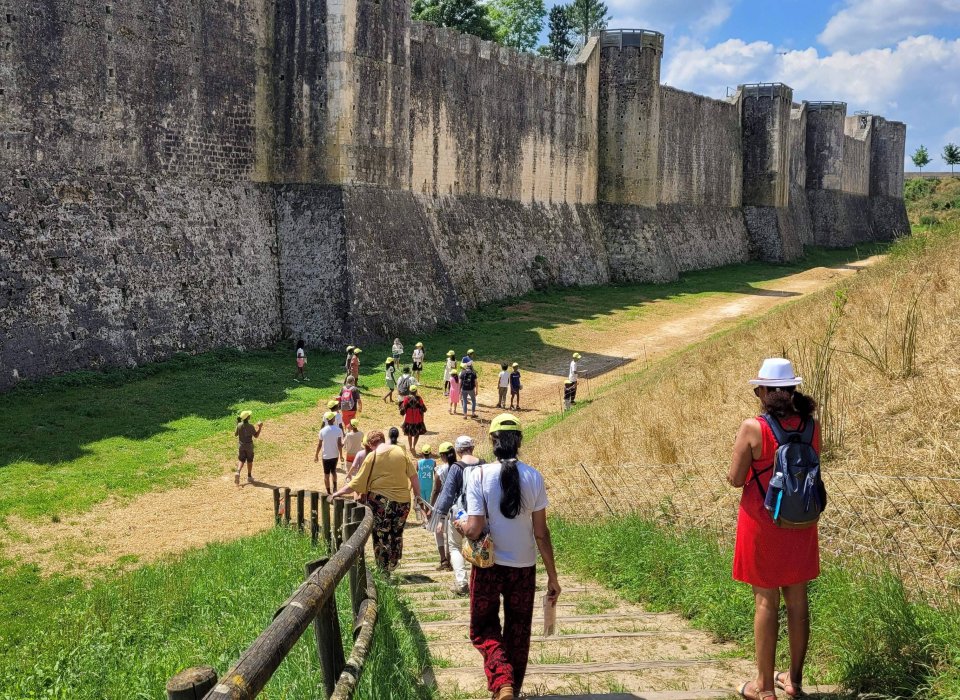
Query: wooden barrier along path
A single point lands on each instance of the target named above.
(345, 527)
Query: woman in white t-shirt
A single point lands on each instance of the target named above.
(509, 498)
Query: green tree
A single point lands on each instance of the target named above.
(587, 16)
(951, 155)
(468, 16)
(559, 37)
(517, 23)
(920, 157)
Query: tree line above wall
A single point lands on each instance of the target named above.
(518, 23)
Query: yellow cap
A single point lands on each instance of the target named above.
(413, 389)
(245, 414)
(357, 351)
(390, 360)
(569, 382)
(329, 416)
(349, 348)
(515, 365)
(334, 403)
(454, 371)
(576, 356)
(426, 449)
(503, 422)
(444, 448)
(451, 353)
(419, 345)
(471, 351)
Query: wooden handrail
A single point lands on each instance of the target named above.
(314, 601)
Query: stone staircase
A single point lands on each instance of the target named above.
(604, 647)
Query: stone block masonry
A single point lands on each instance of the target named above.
(192, 174)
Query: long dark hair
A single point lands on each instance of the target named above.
(786, 402)
(506, 445)
(394, 435)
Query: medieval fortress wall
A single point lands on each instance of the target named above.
(193, 174)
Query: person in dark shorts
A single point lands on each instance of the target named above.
(330, 445)
(515, 385)
(245, 433)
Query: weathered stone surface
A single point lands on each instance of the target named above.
(185, 175)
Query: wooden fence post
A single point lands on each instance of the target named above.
(314, 526)
(276, 506)
(191, 683)
(349, 527)
(286, 506)
(337, 524)
(326, 629)
(325, 513)
(300, 494)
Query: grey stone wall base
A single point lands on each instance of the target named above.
(102, 271)
(774, 235)
(889, 216)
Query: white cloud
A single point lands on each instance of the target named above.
(697, 16)
(916, 81)
(864, 24)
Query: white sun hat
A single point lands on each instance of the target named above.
(464, 442)
(776, 371)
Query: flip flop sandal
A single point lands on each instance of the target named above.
(761, 694)
(782, 686)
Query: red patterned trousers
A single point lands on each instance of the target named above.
(504, 650)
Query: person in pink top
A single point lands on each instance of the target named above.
(454, 390)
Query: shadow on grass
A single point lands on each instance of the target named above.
(57, 420)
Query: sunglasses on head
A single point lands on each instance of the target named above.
(788, 389)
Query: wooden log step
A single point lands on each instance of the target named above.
(586, 635)
(638, 617)
(585, 668)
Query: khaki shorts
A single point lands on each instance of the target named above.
(245, 453)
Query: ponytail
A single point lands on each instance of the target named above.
(506, 445)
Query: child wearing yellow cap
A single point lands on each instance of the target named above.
(330, 444)
(418, 358)
(245, 433)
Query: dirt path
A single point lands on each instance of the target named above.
(214, 509)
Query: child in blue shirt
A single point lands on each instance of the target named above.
(425, 468)
(515, 385)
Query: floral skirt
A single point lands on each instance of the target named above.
(389, 517)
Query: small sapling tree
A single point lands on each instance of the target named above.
(921, 157)
(951, 155)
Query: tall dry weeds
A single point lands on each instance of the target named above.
(660, 443)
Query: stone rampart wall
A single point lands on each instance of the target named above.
(491, 122)
(700, 158)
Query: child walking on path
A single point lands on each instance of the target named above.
(503, 384)
(425, 468)
(330, 444)
(468, 388)
(454, 391)
(390, 377)
(355, 366)
(515, 386)
(412, 409)
(418, 357)
(352, 444)
(350, 402)
(245, 434)
(301, 361)
(449, 366)
(397, 351)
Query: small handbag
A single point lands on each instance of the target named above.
(479, 552)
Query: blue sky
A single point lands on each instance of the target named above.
(896, 58)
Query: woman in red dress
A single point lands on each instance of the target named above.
(770, 558)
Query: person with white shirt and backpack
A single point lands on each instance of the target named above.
(507, 499)
(450, 503)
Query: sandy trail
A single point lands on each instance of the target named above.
(214, 509)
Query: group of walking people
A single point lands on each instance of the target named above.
(461, 497)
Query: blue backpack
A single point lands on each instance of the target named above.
(796, 496)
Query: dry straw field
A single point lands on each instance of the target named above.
(880, 355)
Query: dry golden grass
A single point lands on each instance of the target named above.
(882, 353)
